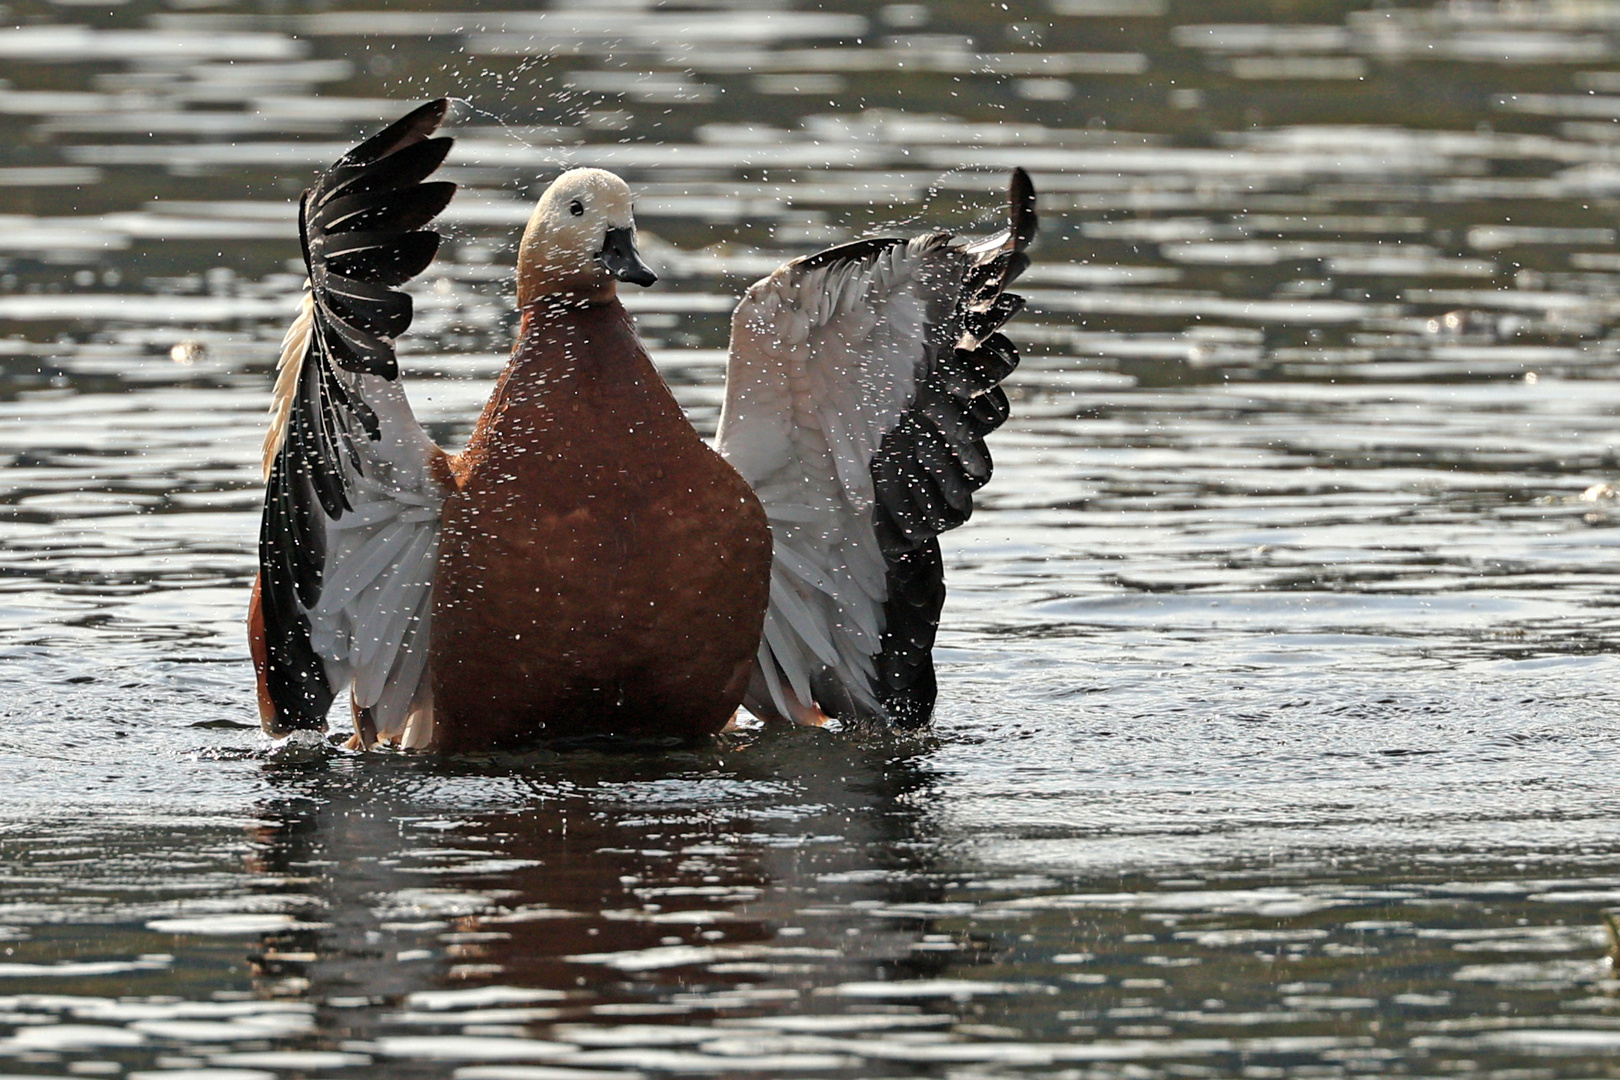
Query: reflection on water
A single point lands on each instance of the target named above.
(784, 906)
(1276, 727)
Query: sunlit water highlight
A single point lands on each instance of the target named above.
(1276, 730)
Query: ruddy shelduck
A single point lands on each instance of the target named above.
(588, 565)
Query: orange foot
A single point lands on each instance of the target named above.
(811, 716)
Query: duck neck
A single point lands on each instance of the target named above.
(572, 364)
(570, 337)
(555, 303)
(542, 284)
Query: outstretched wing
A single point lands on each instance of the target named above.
(861, 384)
(350, 532)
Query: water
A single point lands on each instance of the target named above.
(1276, 727)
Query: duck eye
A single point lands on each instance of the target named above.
(576, 208)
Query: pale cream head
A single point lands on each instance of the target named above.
(580, 240)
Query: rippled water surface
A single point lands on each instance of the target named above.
(1277, 732)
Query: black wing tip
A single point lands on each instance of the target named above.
(294, 676)
(854, 250)
(379, 191)
(1022, 220)
(912, 706)
(904, 682)
(423, 120)
(414, 127)
(929, 464)
(432, 112)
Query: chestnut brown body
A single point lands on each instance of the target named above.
(601, 569)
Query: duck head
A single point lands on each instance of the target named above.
(580, 241)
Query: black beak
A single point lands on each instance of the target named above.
(620, 257)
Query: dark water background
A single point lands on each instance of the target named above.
(1277, 730)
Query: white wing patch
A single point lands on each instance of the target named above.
(823, 363)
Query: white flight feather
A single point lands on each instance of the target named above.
(392, 705)
(785, 651)
(765, 663)
(823, 363)
(419, 729)
(389, 610)
(356, 566)
(801, 566)
(809, 625)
